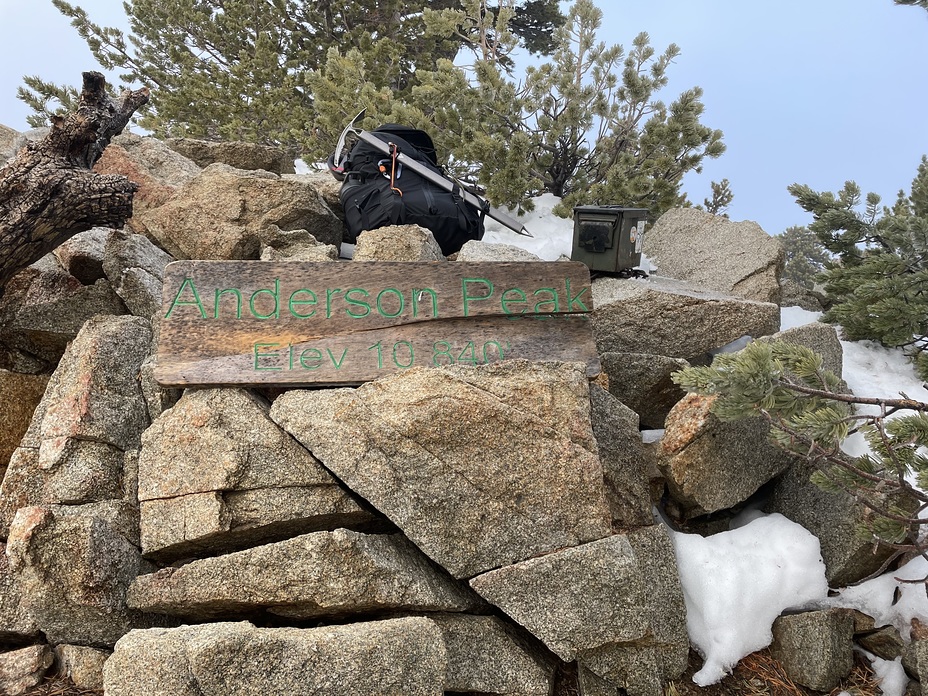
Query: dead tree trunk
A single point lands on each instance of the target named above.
(49, 192)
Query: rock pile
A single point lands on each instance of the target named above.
(459, 529)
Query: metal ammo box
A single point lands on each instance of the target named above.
(608, 237)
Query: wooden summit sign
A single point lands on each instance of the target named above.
(288, 323)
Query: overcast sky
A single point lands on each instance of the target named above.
(807, 91)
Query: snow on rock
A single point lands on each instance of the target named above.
(791, 317)
(552, 237)
(890, 673)
(736, 583)
(889, 601)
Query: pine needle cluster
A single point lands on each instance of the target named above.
(878, 279)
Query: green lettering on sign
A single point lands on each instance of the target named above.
(468, 298)
(195, 302)
(339, 324)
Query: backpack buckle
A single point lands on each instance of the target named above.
(384, 167)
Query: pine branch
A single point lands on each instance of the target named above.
(895, 404)
(818, 453)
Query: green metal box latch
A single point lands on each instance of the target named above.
(608, 237)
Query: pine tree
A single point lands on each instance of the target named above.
(585, 125)
(811, 416)
(805, 256)
(879, 281)
(599, 133)
(227, 69)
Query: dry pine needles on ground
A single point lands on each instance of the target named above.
(56, 686)
(759, 674)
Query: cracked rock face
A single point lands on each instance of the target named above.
(480, 467)
(91, 414)
(686, 243)
(399, 656)
(319, 575)
(215, 473)
(73, 565)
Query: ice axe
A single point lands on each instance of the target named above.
(337, 161)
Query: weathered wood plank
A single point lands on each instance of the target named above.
(289, 323)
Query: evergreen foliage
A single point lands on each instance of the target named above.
(722, 197)
(226, 69)
(639, 149)
(878, 282)
(805, 256)
(586, 124)
(811, 416)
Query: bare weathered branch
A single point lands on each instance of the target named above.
(49, 193)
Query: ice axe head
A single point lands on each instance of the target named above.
(337, 159)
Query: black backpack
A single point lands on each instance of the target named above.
(378, 191)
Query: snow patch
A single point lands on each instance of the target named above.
(736, 583)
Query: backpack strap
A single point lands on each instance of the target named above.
(465, 221)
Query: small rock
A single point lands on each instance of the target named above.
(296, 245)
(329, 188)
(815, 648)
(792, 294)
(915, 660)
(82, 255)
(82, 665)
(135, 268)
(822, 338)
(591, 684)
(8, 136)
(158, 399)
(397, 243)
(22, 669)
(485, 251)
(885, 643)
